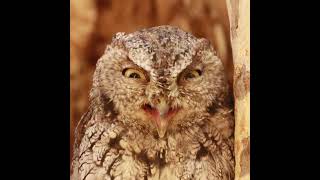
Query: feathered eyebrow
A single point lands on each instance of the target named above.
(192, 65)
(127, 63)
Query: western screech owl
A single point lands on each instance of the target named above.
(158, 110)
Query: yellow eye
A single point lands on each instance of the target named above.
(133, 73)
(192, 74)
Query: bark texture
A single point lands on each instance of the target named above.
(239, 18)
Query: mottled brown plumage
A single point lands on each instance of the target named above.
(158, 110)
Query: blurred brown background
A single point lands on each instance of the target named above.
(94, 22)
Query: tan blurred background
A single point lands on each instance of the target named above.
(94, 22)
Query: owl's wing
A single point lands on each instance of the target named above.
(79, 130)
(96, 144)
(99, 104)
(78, 134)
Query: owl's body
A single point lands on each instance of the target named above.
(157, 111)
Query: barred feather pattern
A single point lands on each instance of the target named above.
(110, 151)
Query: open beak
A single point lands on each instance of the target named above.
(162, 120)
(161, 113)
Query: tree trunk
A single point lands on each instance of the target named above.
(239, 18)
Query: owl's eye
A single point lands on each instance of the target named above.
(133, 73)
(192, 74)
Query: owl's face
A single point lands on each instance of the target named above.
(159, 78)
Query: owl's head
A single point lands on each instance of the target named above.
(160, 79)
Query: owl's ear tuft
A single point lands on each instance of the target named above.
(204, 43)
(118, 36)
(202, 46)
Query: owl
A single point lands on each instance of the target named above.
(159, 109)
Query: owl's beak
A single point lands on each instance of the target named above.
(162, 121)
(162, 107)
(161, 113)
(162, 127)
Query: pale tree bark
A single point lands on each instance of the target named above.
(239, 18)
